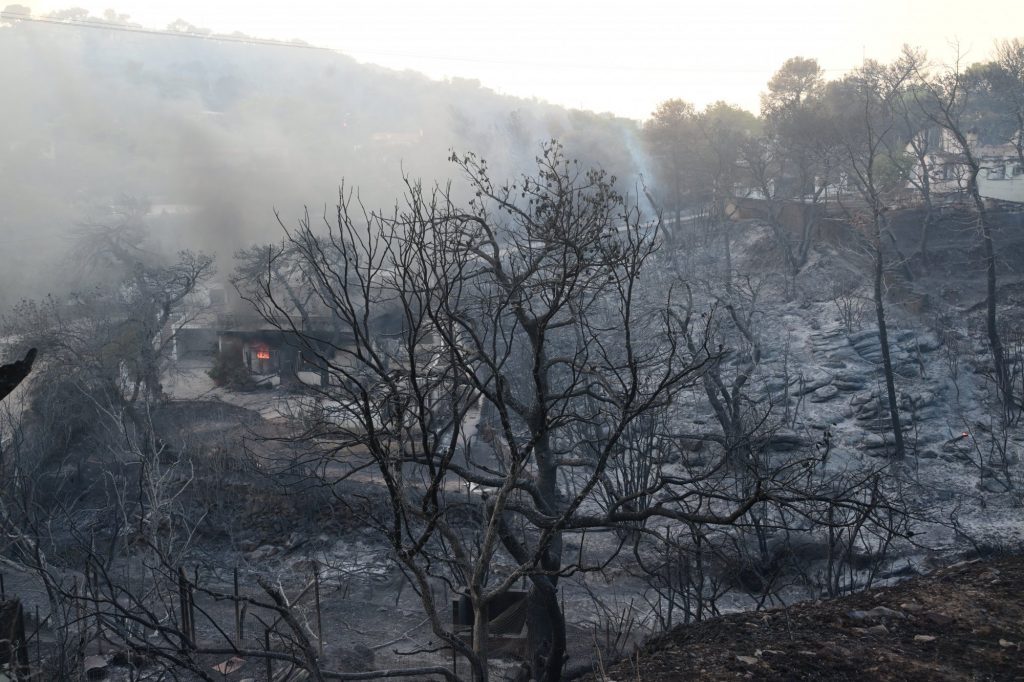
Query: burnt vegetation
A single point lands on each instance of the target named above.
(532, 413)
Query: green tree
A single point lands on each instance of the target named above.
(671, 135)
(794, 161)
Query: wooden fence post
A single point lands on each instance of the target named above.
(184, 609)
(270, 664)
(238, 610)
(319, 620)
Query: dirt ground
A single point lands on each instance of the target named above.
(964, 622)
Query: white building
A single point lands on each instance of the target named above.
(1001, 176)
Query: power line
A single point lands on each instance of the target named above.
(107, 26)
(248, 40)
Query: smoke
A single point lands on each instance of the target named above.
(217, 135)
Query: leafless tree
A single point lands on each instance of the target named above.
(506, 380)
(866, 125)
(521, 313)
(944, 100)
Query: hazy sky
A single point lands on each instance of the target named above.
(622, 57)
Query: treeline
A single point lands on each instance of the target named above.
(798, 148)
(874, 136)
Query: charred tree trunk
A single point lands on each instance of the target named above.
(480, 638)
(926, 225)
(883, 340)
(545, 620)
(985, 231)
(991, 323)
(546, 631)
(809, 220)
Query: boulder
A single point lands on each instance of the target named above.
(993, 485)
(874, 441)
(928, 342)
(862, 336)
(95, 667)
(862, 398)
(784, 440)
(812, 383)
(824, 394)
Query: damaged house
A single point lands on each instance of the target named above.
(267, 351)
(939, 157)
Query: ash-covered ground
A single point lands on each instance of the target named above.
(819, 373)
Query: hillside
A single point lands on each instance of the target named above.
(213, 134)
(963, 622)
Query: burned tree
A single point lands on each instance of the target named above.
(944, 99)
(529, 348)
(525, 396)
(866, 123)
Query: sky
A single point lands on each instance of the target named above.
(618, 57)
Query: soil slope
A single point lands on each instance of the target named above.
(964, 622)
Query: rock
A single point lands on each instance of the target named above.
(907, 370)
(861, 336)
(850, 381)
(262, 552)
(95, 667)
(885, 612)
(1007, 644)
(873, 358)
(925, 413)
(690, 444)
(824, 394)
(783, 440)
(937, 618)
(865, 344)
(882, 425)
(928, 342)
(992, 485)
(874, 441)
(867, 412)
(848, 386)
(812, 383)
(749, 660)
(877, 630)
(927, 454)
(861, 399)
(923, 399)
(777, 384)
(903, 336)
(877, 613)
(845, 355)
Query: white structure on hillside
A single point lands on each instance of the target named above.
(1001, 176)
